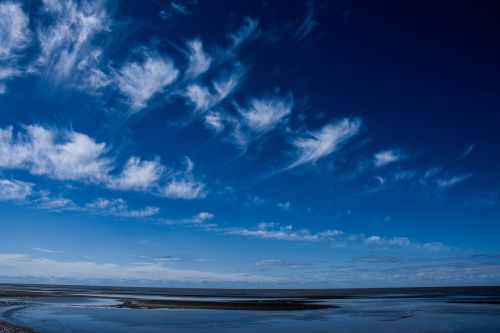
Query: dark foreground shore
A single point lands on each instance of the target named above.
(10, 328)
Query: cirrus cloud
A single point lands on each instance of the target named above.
(319, 144)
(15, 36)
(140, 81)
(14, 190)
(74, 156)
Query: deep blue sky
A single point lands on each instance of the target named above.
(260, 144)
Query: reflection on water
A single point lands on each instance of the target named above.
(362, 314)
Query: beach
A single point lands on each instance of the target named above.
(60, 308)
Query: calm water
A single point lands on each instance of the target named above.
(373, 314)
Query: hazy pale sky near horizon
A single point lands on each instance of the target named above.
(250, 143)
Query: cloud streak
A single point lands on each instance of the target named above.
(138, 175)
(386, 157)
(467, 152)
(289, 233)
(140, 81)
(319, 144)
(183, 185)
(20, 265)
(307, 25)
(14, 190)
(334, 237)
(67, 43)
(74, 156)
(198, 60)
(65, 156)
(15, 37)
(118, 207)
(199, 220)
(447, 182)
(247, 31)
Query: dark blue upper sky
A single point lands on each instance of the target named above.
(281, 143)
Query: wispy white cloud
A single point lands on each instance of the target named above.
(276, 231)
(21, 265)
(100, 206)
(264, 114)
(94, 77)
(284, 205)
(332, 237)
(307, 25)
(179, 7)
(70, 155)
(67, 155)
(140, 81)
(260, 116)
(198, 60)
(179, 259)
(67, 42)
(199, 96)
(447, 182)
(386, 157)
(401, 242)
(14, 30)
(47, 201)
(183, 185)
(321, 143)
(280, 263)
(391, 180)
(14, 190)
(423, 271)
(246, 32)
(379, 241)
(25, 193)
(202, 217)
(138, 174)
(433, 246)
(429, 175)
(204, 98)
(215, 121)
(199, 220)
(39, 249)
(184, 188)
(15, 36)
(227, 82)
(118, 207)
(467, 151)
(436, 179)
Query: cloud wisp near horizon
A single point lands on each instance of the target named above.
(249, 133)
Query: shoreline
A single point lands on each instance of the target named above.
(42, 290)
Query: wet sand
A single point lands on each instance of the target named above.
(253, 305)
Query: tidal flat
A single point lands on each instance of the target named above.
(56, 308)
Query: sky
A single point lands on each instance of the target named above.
(255, 144)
